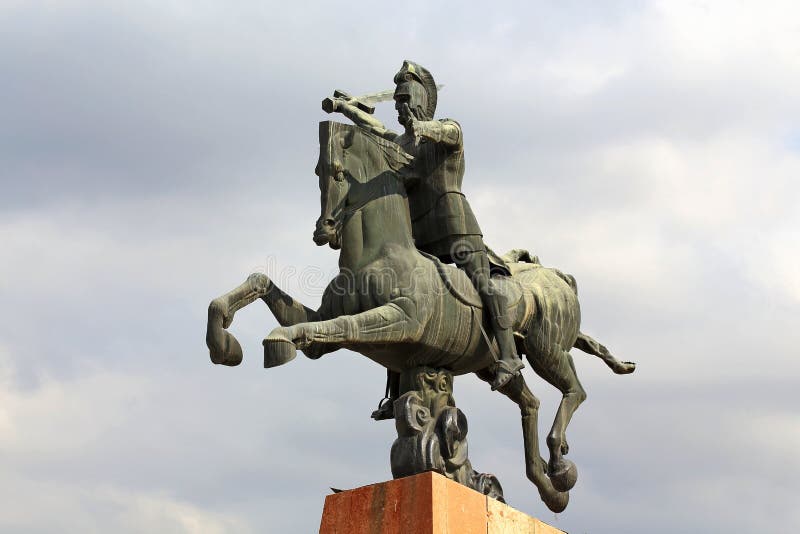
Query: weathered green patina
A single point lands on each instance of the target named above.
(421, 319)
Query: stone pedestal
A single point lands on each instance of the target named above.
(432, 432)
(427, 503)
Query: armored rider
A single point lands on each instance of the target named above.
(442, 220)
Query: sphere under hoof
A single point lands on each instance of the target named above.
(278, 351)
(565, 477)
(557, 503)
(228, 352)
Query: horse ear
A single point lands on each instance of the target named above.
(325, 132)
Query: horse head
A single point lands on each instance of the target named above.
(350, 156)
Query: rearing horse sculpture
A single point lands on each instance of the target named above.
(403, 309)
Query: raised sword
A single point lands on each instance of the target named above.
(364, 102)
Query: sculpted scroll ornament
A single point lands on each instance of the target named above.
(432, 433)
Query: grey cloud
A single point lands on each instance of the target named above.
(156, 154)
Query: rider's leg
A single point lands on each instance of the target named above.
(476, 265)
(510, 363)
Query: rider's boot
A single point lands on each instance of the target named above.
(386, 405)
(509, 363)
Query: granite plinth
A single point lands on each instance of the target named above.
(427, 503)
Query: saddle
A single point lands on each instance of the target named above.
(456, 282)
(459, 285)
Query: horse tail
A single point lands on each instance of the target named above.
(589, 345)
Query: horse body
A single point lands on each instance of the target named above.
(556, 322)
(402, 309)
(406, 281)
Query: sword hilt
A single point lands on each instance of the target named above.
(328, 105)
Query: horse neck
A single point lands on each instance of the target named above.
(382, 226)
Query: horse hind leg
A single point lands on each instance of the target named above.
(535, 466)
(589, 345)
(557, 367)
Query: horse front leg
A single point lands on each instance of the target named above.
(223, 346)
(389, 323)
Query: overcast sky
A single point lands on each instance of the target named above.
(153, 154)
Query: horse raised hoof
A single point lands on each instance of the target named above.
(278, 350)
(557, 502)
(623, 368)
(225, 349)
(565, 476)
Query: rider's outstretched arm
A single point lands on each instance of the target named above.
(447, 131)
(362, 119)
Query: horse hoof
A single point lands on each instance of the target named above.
(278, 351)
(557, 503)
(227, 351)
(565, 477)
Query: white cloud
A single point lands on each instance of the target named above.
(79, 507)
(716, 31)
(43, 430)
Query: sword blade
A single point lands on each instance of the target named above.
(382, 96)
(374, 98)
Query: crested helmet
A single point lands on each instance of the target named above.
(417, 82)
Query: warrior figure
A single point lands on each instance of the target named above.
(442, 220)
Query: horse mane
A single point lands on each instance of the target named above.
(392, 152)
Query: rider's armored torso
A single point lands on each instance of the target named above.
(440, 214)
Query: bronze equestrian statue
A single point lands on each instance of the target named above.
(420, 318)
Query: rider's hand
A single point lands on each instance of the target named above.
(411, 121)
(336, 104)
